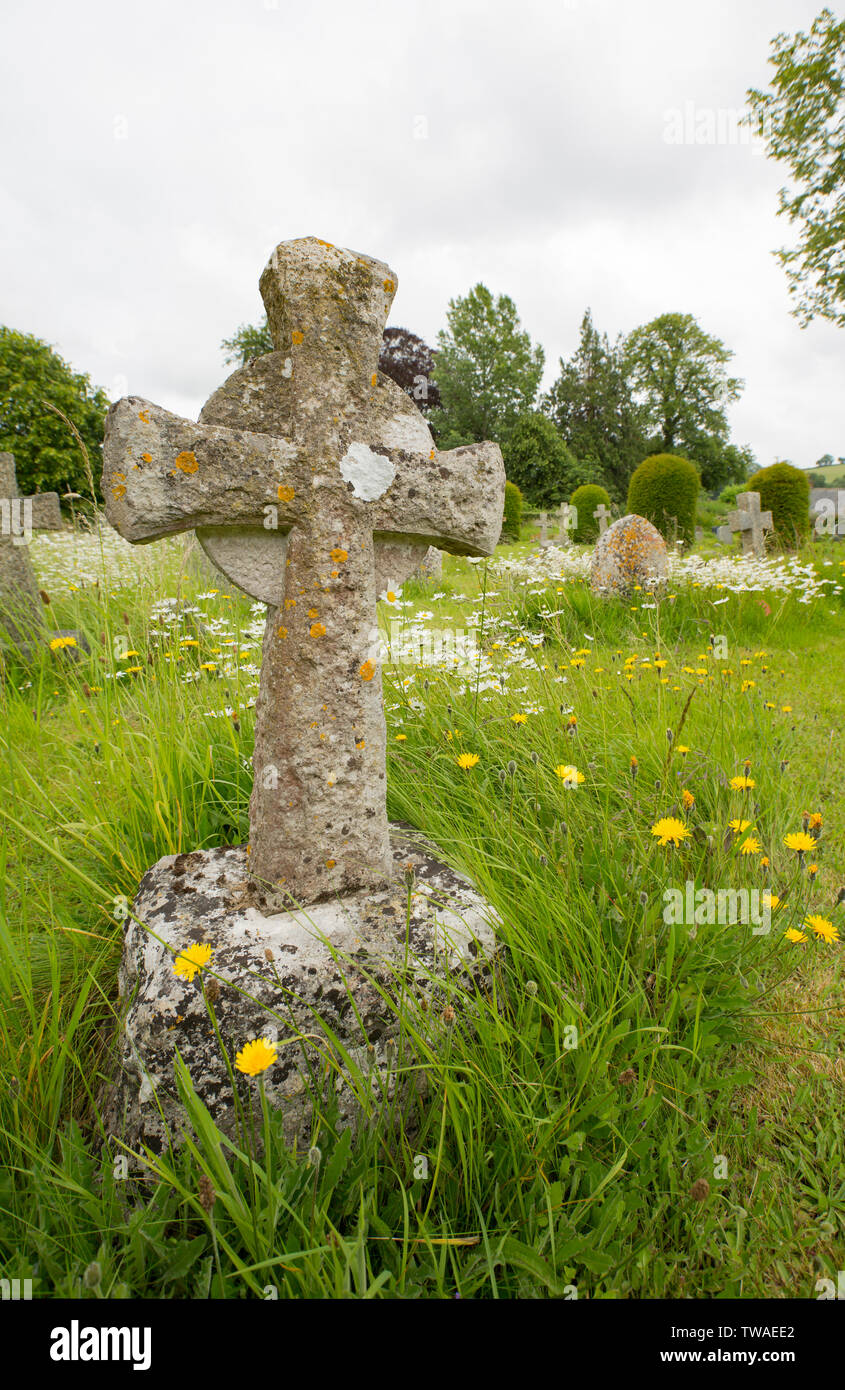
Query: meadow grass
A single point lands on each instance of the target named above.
(632, 1109)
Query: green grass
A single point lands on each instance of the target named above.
(569, 1111)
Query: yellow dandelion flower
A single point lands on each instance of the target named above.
(792, 934)
(822, 927)
(742, 784)
(688, 799)
(256, 1056)
(401, 738)
(467, 760)
(569, 775)
(771, 900)
(192, 959)
(519, 718)
(670, 830)
(59, 643)
(738, 826)
(750, 846)
(682, 748)
(801, 843)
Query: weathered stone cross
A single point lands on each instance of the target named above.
(750, 522)
(567, 520)
(310, 475)
(603, 516)
(19, 517)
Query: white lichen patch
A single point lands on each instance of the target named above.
(369, 473)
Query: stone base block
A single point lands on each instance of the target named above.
(281, 976)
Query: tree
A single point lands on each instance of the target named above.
(250, 340)
(409, 361)
(678, 374)
(538, 461)
(592, 405)
(47, 457)
(718, 462)
(802, 117)
(486, 369)
(404, 357)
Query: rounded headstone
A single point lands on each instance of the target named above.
(630, 552)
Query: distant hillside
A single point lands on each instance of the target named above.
(833, 473)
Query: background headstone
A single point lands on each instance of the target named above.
(603, 516)
(630, 552)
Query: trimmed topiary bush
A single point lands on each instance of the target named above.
(512, 518)
(585, 500)
(664, 489)
(785, 492)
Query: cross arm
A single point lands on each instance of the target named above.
(453, 500)
(163, 474)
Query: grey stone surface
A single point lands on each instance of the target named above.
(750, 522)
(544, 529)
(630, 552)
(603, 516)
(303, 463)
(21, 610)
(432, 564)
(567, 520)
(282, 977)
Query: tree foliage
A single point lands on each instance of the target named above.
(592, 405)
(486, 368)
(802, 118)
(538, 461)
(47, 457)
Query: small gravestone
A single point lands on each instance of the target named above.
(750, 522)
(544, 529)
(21, 609)
(311, 479)
(630, 552)
(603, 515)
(432, 564)
(567, 521)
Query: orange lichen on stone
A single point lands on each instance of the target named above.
(285, 494)
(296, 336)
(187, 461)
(367, 671)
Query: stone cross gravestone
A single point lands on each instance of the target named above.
(312, 481)
(750, 522)
(21, 610)
(567, 521)
(314, 440)
(603, 516)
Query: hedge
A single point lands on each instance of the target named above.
(664, 489)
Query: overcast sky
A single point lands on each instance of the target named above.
(154, 154)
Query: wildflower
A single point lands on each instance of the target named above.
(401, 738)
(792, 934)
(742, 784)
(750, 846)
(256, 1056)
(800, 842)
(815, 824)
(688, 799)
(771, 900)
(635, 767)
(822, 927)
(467, 760)
(569, 775)
(682, 748)
(786, 709)
(519, 718)
(59, 643)
(189, 961)
(670, 830)
(207, 1195)
(764, 862)
(812, 870)
(738, 826)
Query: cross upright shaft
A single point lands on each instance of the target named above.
(346, 462)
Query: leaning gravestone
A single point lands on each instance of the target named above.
(21, 609)
(751, 523)
(308, 923)
(630, 552)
